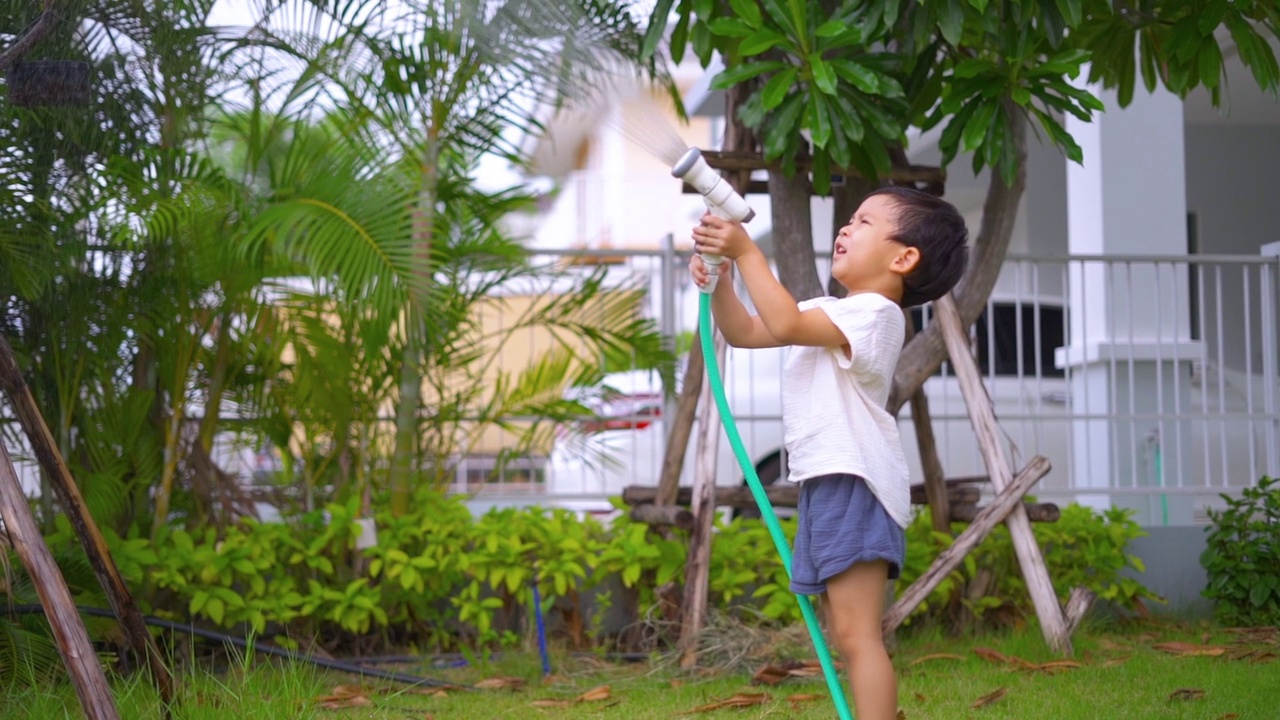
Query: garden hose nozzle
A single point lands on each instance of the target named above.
(722, 201)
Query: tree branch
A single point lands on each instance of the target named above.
(925, 354)
(24, 43)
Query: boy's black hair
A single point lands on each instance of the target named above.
(934, 227)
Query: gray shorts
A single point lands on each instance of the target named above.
(841, 523)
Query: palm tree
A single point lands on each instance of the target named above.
(428, 88)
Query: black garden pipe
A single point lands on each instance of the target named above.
(339, 665)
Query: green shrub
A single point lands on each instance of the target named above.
(440, 579)
(1243, 557)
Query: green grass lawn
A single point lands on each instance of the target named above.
(1121, 674)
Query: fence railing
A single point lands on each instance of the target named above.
(1150, 382)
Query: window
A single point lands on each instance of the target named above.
(1035, 357)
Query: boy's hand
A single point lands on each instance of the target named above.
(702, 274)
(718, 236)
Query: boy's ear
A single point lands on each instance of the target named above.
(906, 260)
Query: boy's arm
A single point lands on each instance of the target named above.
(779, 313)
(739, 327)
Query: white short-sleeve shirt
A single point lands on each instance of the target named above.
(833, 404)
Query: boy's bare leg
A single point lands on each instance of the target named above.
(855, 604)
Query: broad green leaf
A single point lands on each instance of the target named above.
(703, 44)
(735, 75)
(1021, 95)
(657, 28)
(830, 28)
(949, 141)
(748, 10)
(680, 38)
(760, 41)
(1212, 16)
(819, 121)
(979, 5)
(1148, 53)
(859, 76)
(978, 126)
(848, 123)
(973, 67)
(704, 9)
(775, 91)
(1071, 11)
(950, 20)
(780, 16)
(1210, 62)
(783, 127)
(729, 27)
(821, 185)
(823, 76)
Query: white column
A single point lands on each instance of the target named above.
(1129, 321)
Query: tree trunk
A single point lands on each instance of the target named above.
(409, 402)
(927, 351)
(793, 234)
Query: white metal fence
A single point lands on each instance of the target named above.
(1149, 382)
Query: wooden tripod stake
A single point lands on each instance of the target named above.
(1056, 626)
(68, 629)
(95, 546)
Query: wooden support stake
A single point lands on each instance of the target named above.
(95, 546)
(59, 609)
(698, 567)
(681, 425)
(1037, 512)
(1078, 605)
(1007, 500)
(935, 485)
(1043, 597)
(662, 515)
(785, 495)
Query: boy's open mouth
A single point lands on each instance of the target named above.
(840, 249)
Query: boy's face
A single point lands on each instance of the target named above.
(865, 253)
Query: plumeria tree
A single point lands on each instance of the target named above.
(833, 87)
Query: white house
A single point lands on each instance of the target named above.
(1135, 325)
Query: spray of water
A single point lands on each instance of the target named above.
(647, 127)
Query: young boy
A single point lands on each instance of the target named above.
(901, 248)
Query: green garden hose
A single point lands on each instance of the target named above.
(766, 508)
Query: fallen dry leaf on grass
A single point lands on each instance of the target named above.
(920, 697)
(596, 694)
(936, 656)
(354, 701)
(677, 683)
(1186, 694)
(1229, 716)
(989, 698)
(1115, 661)
(769, 675)
(739, 700)
(1189, 649)
(345, 696)
(902, 715)
(798, 698)
(774, 674)
(1055, 666)
(999, 658)
(501, 683)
